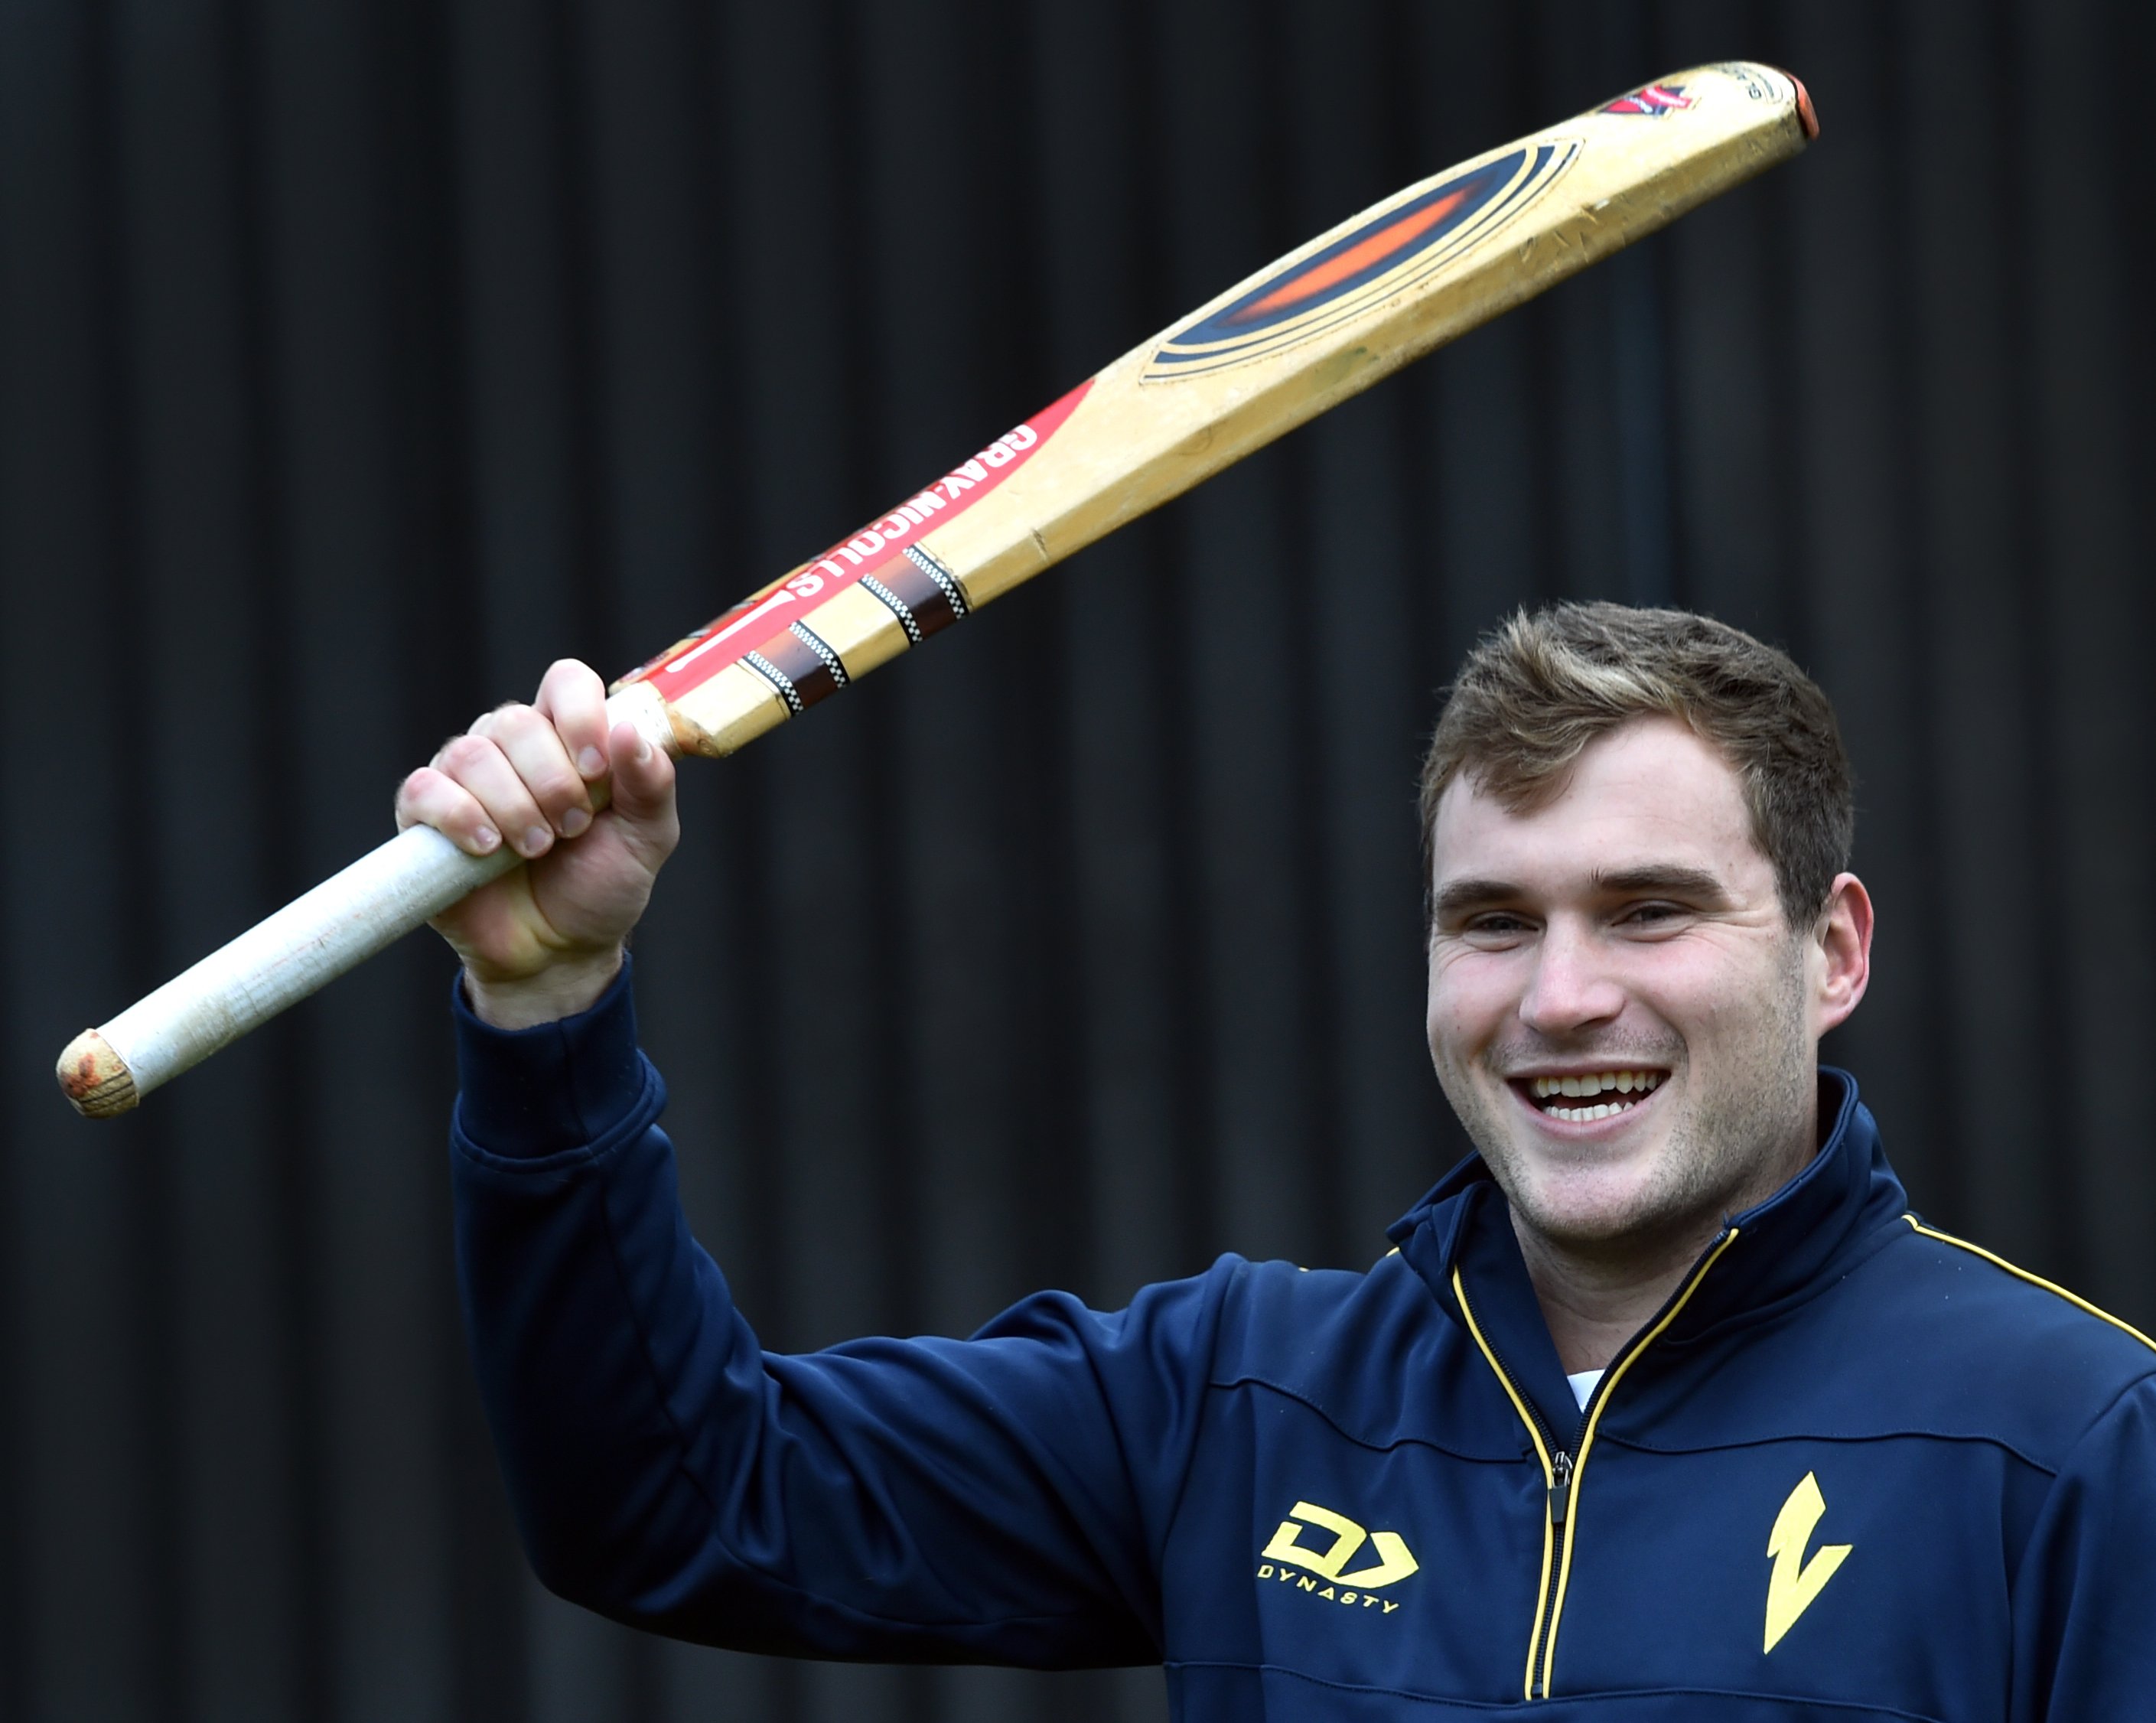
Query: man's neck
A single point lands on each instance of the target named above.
(1594, 1299)
(1593, 1304)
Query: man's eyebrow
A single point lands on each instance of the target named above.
(1663, 880)
(1461, 895)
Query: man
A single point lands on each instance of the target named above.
(1663, 1406)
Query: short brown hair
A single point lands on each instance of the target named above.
(1542, 685)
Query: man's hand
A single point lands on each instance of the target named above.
(543, 942)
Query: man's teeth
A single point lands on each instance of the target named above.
(1624, 1082)
(1591, 1084)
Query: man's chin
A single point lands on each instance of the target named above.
(1587, 1186)
(1590, 1224)
(1588, 1207)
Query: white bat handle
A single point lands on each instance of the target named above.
(310, 942)
(306, 945)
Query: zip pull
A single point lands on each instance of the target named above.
(1560, 1495)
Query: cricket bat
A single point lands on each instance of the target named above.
(1321, 324)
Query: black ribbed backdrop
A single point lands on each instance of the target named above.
(357, 356)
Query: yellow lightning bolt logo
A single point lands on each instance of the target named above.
(1796, 1583)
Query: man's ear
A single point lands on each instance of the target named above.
(1840, 958)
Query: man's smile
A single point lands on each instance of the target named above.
(1588, 1097)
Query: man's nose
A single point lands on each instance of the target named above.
(1572, 986)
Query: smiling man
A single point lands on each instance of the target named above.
(1640, 930)
(1665, 1405)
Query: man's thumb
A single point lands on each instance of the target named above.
(643, 775)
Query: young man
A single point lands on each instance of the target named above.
(1665, 1405)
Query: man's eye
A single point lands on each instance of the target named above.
(1648, 915)
(1497, 924)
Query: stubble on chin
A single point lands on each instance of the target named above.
(1725, 1146)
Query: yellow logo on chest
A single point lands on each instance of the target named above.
(1794, 1583)
(1331, 1580)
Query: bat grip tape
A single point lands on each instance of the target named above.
(303, 948)
(276, 963)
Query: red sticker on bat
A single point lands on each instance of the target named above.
(1652, 99)
(690, 664)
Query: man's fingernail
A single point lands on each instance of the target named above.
(484, 839)
(536, 840)
(590, 762)
(574, 820)
(642, 748)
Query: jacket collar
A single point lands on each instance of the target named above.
(1786, 1248)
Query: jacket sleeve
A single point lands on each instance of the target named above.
(1004, 1498)
(2084, 1651)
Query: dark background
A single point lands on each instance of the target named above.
(357, 356)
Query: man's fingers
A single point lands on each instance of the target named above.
(523, 775)
(478, 763)
(433, 798)
(540, 757)
(574, 696)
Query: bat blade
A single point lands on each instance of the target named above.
(1303, 334)
(1300, 336)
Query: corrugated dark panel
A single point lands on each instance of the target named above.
(88, 1537)
(356, 359)
(1976, 793)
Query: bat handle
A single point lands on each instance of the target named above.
(303, 947)
(310, 942)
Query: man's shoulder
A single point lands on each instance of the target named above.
(1367, 1350)
(1916, 1335)
(1285, 1309)
(1967, 1343)
(1972, 1303)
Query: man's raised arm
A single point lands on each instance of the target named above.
(1002, 1499)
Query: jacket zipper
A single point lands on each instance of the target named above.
(1561, 1468)
(1595, 1403)
(1560, 1495)
(1557, 1466)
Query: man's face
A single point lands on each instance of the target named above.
(1618, 1011)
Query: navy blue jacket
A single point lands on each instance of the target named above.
(1853, 1469)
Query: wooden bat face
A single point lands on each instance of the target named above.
(1322, 323)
